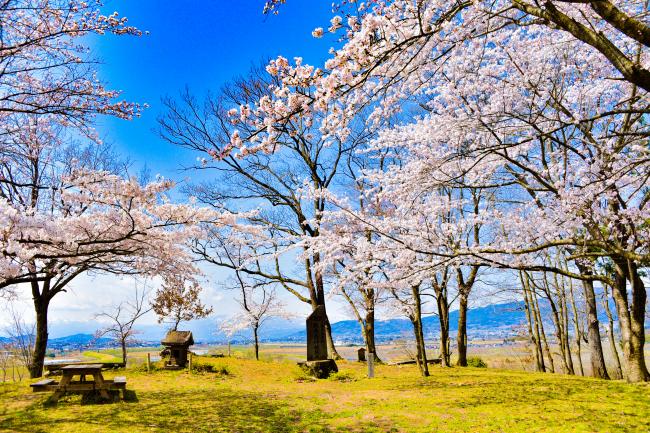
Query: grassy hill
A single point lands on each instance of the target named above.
(258, 396)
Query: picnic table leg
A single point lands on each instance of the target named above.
(65, 380)
(99, 383)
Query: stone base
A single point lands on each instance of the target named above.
(173, 367)
(319, 369)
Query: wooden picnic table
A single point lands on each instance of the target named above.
(55, 368)
(68, 385)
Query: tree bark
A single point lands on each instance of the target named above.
(369, 333)
(560, 335)
(567, 338)
(611, 335)
(598, 368)
(464, 289)
(461, 338)
(123, 344)
(41, 305)
(257, 342)
(443, 317)
(416, 320)
(317, 294)
(533, 328)
(366, 323)
(542, 333)
(331, 348)
(558, 317)
(631, 319)
(578, 331)
(444, 338)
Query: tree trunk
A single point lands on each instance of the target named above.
(123, 344)
(533, 328)
(558, 321)
(461, 338)
(631, 319)
(637, 340)
(443, 316)
(598, 368)
(367, 323)
(567, 338)
(419, 333)
(421, 355)
(41, 305)
(317, 294)
(578, 331)
(369, 334)
(257, 342)
(559, 334)
(542, 333)
(533, 332)
(611, 336)
(331, 349)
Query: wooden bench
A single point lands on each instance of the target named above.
(43, 385)
(119, 383)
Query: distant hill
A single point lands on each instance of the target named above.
(496, 321)
(78, 341)
(492, 321)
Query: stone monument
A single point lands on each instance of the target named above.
(318, 364)
(361, 354)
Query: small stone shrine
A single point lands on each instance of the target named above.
(361, 354)
(177, 345)
(317, 364)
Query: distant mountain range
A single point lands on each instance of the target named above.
(490, 322)
(75, 340)
(78, 340)
(493, 321)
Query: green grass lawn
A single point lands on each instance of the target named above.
(275, 397)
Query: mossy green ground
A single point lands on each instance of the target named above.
(275, 397)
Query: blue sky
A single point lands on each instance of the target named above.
(199, 44)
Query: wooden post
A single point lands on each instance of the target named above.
(190, 361)
(371, 364)
(228, 348)
(148, 362)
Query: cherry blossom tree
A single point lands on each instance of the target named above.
(101, 223)
(259, 302)
(276, 184)
(46, 69)
(521, 103)
(47, 88)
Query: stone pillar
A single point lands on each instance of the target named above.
(317, 363)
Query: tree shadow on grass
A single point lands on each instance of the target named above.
(193, 411)
(94, 397)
